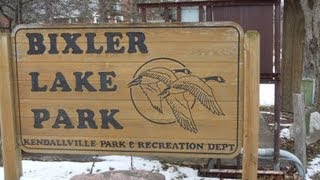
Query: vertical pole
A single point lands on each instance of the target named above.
(19, 12)
(201, 14)
(277, 100)
(179, 13)
(251, 101)
(300, 146)
(10, 149)
(208, 13)
(166, 14)
(144, 14)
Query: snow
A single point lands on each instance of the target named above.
(285, 133)
(313, 167)
(267, 94)
(38, 170)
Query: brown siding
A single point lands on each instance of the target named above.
(253, 18)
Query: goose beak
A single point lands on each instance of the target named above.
(188, 71)
(221, 80)
(134, 82)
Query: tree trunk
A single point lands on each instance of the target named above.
(19, 12)
(311, 66)
(292, 61)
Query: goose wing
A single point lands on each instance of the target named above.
(158, 78)
(161, 74)
(181, 111)
(200, 90)
(151, 91)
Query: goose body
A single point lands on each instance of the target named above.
(153, 81)
(198, 88)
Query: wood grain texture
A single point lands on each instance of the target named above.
(251, 124)
(11, 152)
(209, 113)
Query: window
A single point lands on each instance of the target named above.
(117, 6)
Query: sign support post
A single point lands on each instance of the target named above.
(10, 150)
(251, 116)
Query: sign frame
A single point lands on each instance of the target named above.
(250, 104)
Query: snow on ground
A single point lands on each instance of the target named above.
(313, 167)
(37, 170)
(285, 133)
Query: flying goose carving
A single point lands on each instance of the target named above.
(153, 81)
(159, 84)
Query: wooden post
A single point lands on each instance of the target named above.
(208, 13)
(201, 14)
(144, 14)
(10, 150)
(299, 128)
(166, 14)
(251, 116)
(179, 13)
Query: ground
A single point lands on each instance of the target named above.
(286, 120)
(313, 150)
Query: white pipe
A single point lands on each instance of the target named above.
(284, 155)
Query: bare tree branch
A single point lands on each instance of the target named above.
(5, 14)
(26, 2)
(10, 6)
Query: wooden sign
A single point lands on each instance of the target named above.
(130, 89)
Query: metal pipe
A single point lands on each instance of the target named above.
(277, 99)
(284, 155)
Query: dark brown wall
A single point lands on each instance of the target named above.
(253, 18)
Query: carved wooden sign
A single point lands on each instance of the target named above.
(130, 89)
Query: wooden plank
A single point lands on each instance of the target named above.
(141, 129)
(179, 13)
(159, 33)
(209, 13)
(47, 70)
(251, 123)
(120, 95)
(11, 152)
(96, 105)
